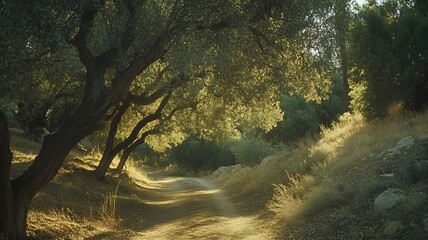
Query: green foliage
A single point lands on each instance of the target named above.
(304, 117)
(41, 77)
(331, 108)
(300, 119)
(147, 155)
(197, 154)
(251, 150)
(389, 54)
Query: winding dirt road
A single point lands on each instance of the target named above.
(194, 208)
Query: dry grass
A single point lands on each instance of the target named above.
(76, 205)
(107, 210)
(333, 162)
(311, 178)
(317, 177)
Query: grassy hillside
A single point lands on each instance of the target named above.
(76, 205)
(325, 188)
(321, 188)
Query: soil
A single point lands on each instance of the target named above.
(194, 208)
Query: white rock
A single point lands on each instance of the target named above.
(389, 198)
(390, 175)
(268, 160)
(402, 144)
(225, 170)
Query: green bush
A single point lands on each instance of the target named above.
(300, 119)
(198, 154)
(252, 150)
(388, 53)
(147, 155)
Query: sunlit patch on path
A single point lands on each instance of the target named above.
(194, 208)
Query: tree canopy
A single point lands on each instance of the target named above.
(389, 53)
(224, 55)
(157, 72)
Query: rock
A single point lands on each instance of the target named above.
(389, 175)
(425, 222)
(406, 141)
(402, 144)
(268, 160)
(421, 166)
(369, 233)
(225, 170)
(422, 137)
(392, 228)
(389, 198)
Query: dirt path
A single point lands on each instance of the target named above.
(194, 208)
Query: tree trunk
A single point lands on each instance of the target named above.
(18, 219)
(13, 202)
(342, 26)
(108, 154)
(16, 195)
(107, 159)
(5, 189)
(127, 151)
(114, 124)
(46, 165)
(345, 79)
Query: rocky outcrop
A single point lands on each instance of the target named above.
(389, 198)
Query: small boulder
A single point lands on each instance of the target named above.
(426, 224)
(402, 144)
(268, 160)
(389, 198)
(225, 170)
(422, 137)
(392, 228)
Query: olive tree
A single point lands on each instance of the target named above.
(112, 42)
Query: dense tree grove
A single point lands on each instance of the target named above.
(389, 53)
(194, 76)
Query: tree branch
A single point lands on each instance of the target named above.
(145, 99)
(129, 34)
(80, 39)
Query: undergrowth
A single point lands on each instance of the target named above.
(315, 175)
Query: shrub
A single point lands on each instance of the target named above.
(147, 155)
(252, 150)
(304, 117)
(197, 154)
(300, 118)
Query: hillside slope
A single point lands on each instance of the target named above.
(359, 180)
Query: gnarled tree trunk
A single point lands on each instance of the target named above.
(127, 151)
(5, 188)
(46, 165)
(107, 158)
(16, 195)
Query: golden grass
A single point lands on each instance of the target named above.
(75, 204)
(107, 210)
(342, 150)
(317, 174)
(21, 143)
(305, 179)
